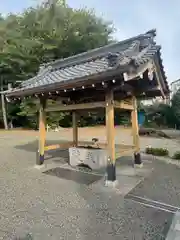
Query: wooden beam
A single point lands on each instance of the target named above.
(83, 106)
(135, 127)
(73, 107)
(42, 131)
(48, 101)
(75, 128)
(123, 105)
(110, 125)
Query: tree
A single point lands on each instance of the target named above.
(45, 33)
(163, 115)
(175, 105)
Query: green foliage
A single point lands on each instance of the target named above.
(176, 155)
(175, 105)
(157, 151)
(50, 31)
(159, 115)
(164, 115)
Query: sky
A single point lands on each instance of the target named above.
(131, 18)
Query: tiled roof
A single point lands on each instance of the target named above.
(136, 51)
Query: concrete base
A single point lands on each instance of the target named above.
(39, 166)
(137, 158)
(138, 165)
(39, 158)
(111, 172)
(111, 183)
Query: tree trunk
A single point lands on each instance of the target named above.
(11, 125)
(4, 109)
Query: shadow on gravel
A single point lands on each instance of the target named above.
(56, 155)
(33, 146)
(75, 176)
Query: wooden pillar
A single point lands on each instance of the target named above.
(111, 171)
(42, 131)
(75, 128)
(135, 132)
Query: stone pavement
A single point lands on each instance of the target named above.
(52, 207)
(174, 231)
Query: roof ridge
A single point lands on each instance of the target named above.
(97, 52)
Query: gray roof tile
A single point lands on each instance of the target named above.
(95, 61)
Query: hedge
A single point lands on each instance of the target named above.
(157, 151)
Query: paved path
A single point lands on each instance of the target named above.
(50, 207)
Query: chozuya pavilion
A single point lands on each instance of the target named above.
(107, 78)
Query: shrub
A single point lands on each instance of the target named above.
(176, 155)
(157, 151)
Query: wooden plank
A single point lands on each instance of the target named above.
(72, 107)
(75, 128)
(110, 125)
(135, 127)
(42, 131)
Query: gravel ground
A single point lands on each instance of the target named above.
(123, 136)
(48, 207)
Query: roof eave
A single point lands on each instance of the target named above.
(68, 84)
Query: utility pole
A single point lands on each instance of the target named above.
(3, 106)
